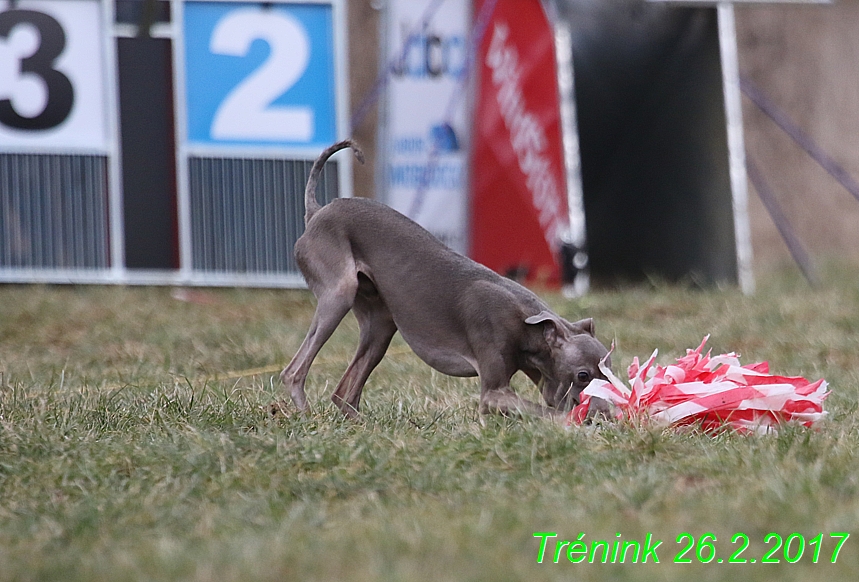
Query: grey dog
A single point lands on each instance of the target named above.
(457, 316)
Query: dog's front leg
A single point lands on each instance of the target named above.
(507, 403)
(496, 397)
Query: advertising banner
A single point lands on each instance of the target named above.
(519, 196)
(425, 137)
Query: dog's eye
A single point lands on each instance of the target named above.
(584, 377)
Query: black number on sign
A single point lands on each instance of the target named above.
(60, 92)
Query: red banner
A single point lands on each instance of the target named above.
(518, 186)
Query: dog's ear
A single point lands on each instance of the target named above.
(586, 325)
(552, 326)
(541, 317)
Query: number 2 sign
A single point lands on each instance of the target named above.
(259, 74)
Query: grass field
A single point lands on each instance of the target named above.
(135, 444)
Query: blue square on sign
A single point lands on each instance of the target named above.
(259, 75)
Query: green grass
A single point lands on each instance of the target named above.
(136, 445)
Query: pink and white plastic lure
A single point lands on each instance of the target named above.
(712, 392)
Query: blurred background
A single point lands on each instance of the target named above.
(803, 57)
(560, 142)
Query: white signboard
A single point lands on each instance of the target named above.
(52, 82)
(426, 131)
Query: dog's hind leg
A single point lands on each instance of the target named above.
(333, 305)
(377, 328)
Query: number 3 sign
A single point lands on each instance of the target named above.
(259, 74)
(52, 75)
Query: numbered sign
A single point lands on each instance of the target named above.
(259, 74)
(52, 82)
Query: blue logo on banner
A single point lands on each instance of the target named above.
(260, 75)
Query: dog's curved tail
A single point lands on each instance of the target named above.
(311, 205)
